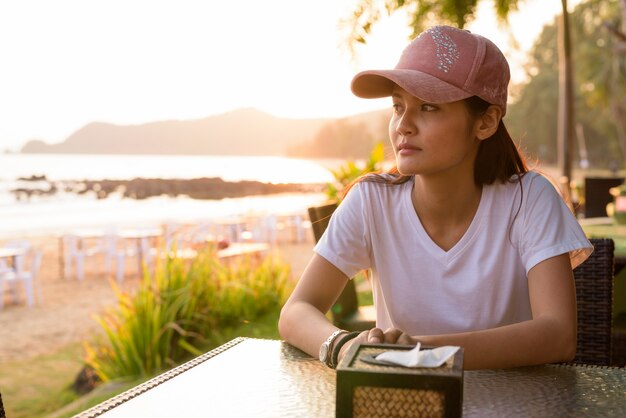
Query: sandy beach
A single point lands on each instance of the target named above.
(65, 313)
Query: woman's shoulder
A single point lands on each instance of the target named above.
(539, 182)
(531, 180)
(379, 187)
(385, 178)
(529, 186)
(374, 181)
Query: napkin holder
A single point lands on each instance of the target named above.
(375, 390)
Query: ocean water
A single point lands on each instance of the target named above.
(62, 211)
(229, 168)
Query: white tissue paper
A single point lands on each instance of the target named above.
(419, 358)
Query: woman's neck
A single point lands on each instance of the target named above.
(445, 209)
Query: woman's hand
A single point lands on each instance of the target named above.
(361, 338)
(377, 336)
(390, 336)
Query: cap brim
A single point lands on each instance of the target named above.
(375, 84)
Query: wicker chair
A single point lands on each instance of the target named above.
(618, 355)
(346, 312)
(594, 298)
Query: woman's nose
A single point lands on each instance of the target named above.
(405, 125)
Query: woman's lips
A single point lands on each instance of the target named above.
(405, 148)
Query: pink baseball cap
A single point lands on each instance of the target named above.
(442, 65)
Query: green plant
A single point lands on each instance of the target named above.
(174, 312)
(350, 171)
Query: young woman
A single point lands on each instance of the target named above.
(465, 245)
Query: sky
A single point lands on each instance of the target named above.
(66, 63)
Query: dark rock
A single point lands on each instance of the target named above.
(199, 188)
(86, 380)
(143, 188)
(34, 177)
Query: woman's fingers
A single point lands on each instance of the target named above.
(359, 339)
(406, 339)
(375, 336)
(392, 335)
(362, 338)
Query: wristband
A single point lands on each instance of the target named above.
(339, 344)
(326, 349)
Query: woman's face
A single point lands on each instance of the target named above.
(432, 139)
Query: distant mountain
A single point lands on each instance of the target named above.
(240, 132)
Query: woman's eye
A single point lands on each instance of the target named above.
(397, 108)
(428, 107)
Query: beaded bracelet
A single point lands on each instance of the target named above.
(339, 344)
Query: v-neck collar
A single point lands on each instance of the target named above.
(445, 257)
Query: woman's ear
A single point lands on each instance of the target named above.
(488, 123)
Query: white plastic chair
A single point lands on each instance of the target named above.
(4, 270)
(265, 229)
(172, 235)
(22, 244)
(140, 248)
(114, 249)
(76, 249)
(26, 270)
(299, 234)
(294, 226)
(75, 252)
(230, 229)
(200, 234)
(4, 267)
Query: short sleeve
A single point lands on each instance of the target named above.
(345, 243)
(549, 227)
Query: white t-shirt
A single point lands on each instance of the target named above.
(479, 283)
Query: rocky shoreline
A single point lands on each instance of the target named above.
(143, 188)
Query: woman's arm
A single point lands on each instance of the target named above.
(303, 322)
(549, 337)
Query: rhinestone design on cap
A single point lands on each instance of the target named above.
(446, 51)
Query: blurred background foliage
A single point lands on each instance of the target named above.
(600, 80)
(179, 309)
(347, 173)
(343, 138)
(600, 88)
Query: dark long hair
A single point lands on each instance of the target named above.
(498, 157)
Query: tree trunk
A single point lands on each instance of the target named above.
(565, 127)
(617, 107)
(624, 23)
